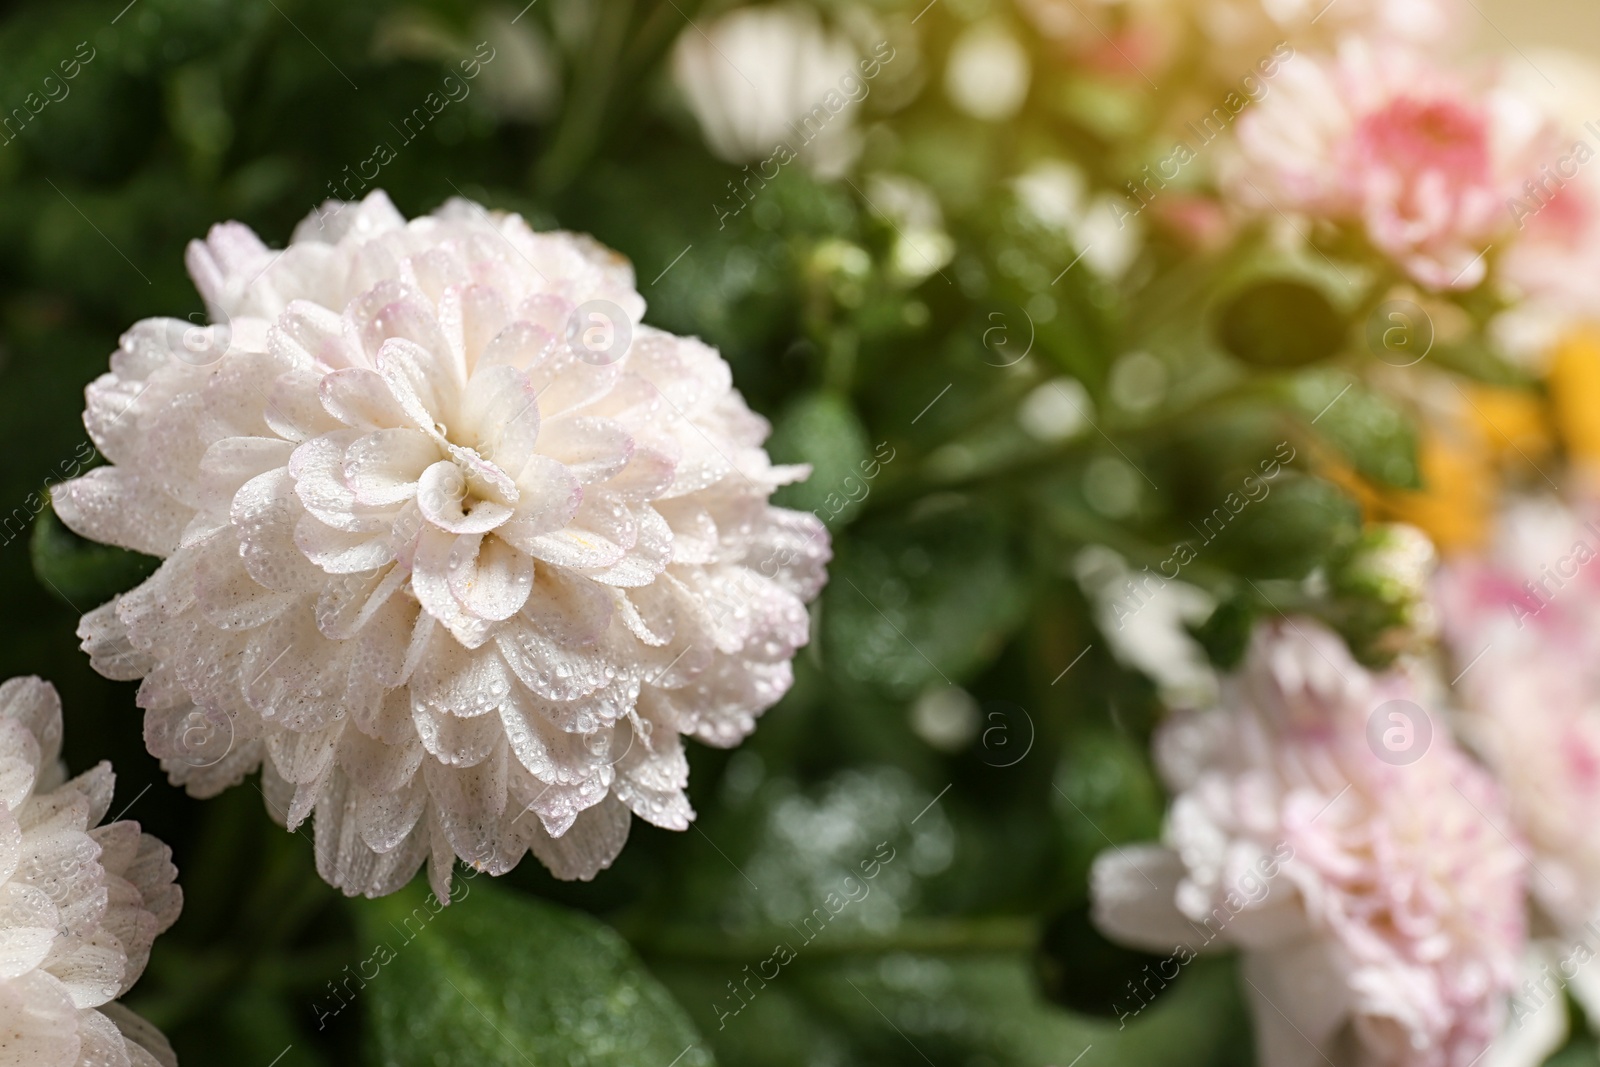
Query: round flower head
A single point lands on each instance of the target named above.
(1521, 628)
(1328, 828)
(1378, 139)
(456, 549)
(80, 903)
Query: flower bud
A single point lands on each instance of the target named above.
(1379, 593)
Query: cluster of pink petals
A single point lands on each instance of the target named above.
(1551, 269)
(1554, 262)
(1377, 138)
(456, 549)
(1389, 929)
(1522, 625)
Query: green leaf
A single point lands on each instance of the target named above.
(930, 599)
(836, 960)
(1581, 1051)
(1226, 632)
(500, 978)
(1371, 430)
(1280, 323)
(1104, 791)
(1475, 358)
(1303, 522)
(1107, 108)
(81, 572)
(726, 902)
(823, 430)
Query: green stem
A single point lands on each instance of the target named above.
(579, 132)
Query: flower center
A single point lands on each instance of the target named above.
(1417, 136)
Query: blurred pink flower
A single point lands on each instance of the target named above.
(1126, 40)
(1132, 40)
(1375, 137)
(1552, 270)
(1379, 903)
(1522, 623)
(1200, 221)
(1554, 264)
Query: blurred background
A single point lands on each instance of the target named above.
(901, 301)
(1543, 23)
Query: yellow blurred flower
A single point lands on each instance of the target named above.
(1574, 380)
(1464, 458)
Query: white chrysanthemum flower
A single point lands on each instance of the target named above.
(456, 548)
(80, 903)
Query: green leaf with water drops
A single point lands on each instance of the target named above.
(498, 977)
(822, 429)
(923, 600)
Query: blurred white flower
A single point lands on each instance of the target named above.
(946, 717)
(1053, 192)
(456, 548)
(763, 77)
(917, 253)
(987, 73)
(1101, 227)
(921, 245)
(1138, 381)
(1056, 411)
(80, 904)
(524, 82)
(1379, 902)
(1145, 617)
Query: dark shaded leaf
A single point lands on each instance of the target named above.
(922, 600)
(83, 573)
(1280, 323)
